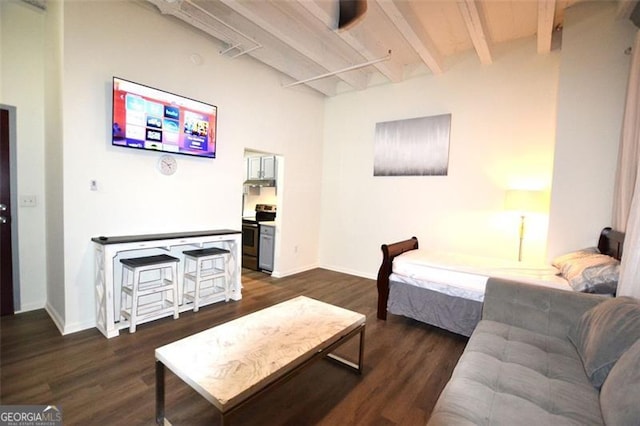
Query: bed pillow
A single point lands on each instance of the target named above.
(560, 261)
(589, 271)
(604, 333)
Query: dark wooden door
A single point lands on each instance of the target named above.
(6, 266)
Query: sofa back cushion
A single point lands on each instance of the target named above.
(619, 394)
(604, 333)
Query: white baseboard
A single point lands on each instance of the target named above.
(67, 328)
(282, 274)
(79, 326)
(26, 307)
(55, 317)
(350, 272)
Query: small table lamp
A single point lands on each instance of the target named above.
(525, 201)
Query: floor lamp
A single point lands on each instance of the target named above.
(524, 201)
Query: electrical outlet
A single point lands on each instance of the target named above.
(28, 201)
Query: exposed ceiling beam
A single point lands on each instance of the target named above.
(625, 8)
(297, 69)
(299, 38)
(296, 35)
(400, 14)
(475, 22)
(367, 47)
(546, 16)
(200, 18)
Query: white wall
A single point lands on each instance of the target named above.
(100, 41)
(94, 41)
(54, 150)
(593, 81)
(22, 86)
(503, 130)
(502, 136)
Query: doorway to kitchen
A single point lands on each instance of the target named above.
(261, 209)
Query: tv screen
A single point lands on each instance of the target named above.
(148, 118)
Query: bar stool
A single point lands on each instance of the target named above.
(204, 266)
(135, 289)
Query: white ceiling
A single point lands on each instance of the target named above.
(393, 40)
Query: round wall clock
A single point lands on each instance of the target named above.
(167, 165)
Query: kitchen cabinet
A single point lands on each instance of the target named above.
(261, 167)
(267, 247)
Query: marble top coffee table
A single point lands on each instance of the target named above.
(233, 362)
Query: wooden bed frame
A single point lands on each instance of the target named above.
(610, 243)
(389, 252)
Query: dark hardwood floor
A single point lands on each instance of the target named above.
(99, 381)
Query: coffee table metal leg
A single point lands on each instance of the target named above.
(345, 362)
(159, 393)
(361, 354)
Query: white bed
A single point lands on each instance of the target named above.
(447, 289)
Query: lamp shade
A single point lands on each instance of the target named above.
(526, 201)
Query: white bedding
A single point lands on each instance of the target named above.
(466, 276)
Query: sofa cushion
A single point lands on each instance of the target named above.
(619, 394)
(604, 333)
(507, 374)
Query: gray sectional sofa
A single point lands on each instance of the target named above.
(547, 357)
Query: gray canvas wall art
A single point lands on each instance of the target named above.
(412, 147)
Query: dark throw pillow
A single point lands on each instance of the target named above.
(604, 333)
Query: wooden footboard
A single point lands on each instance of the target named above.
(389, 252)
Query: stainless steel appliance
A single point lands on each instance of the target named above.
(251, 234)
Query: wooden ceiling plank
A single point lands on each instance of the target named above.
(546, 17)
(403, 18)
(390, 69)
(225, 35)
(474, 20)
(272, 21)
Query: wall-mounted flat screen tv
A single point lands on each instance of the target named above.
(148, 118)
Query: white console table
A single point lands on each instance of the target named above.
(109, 250)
